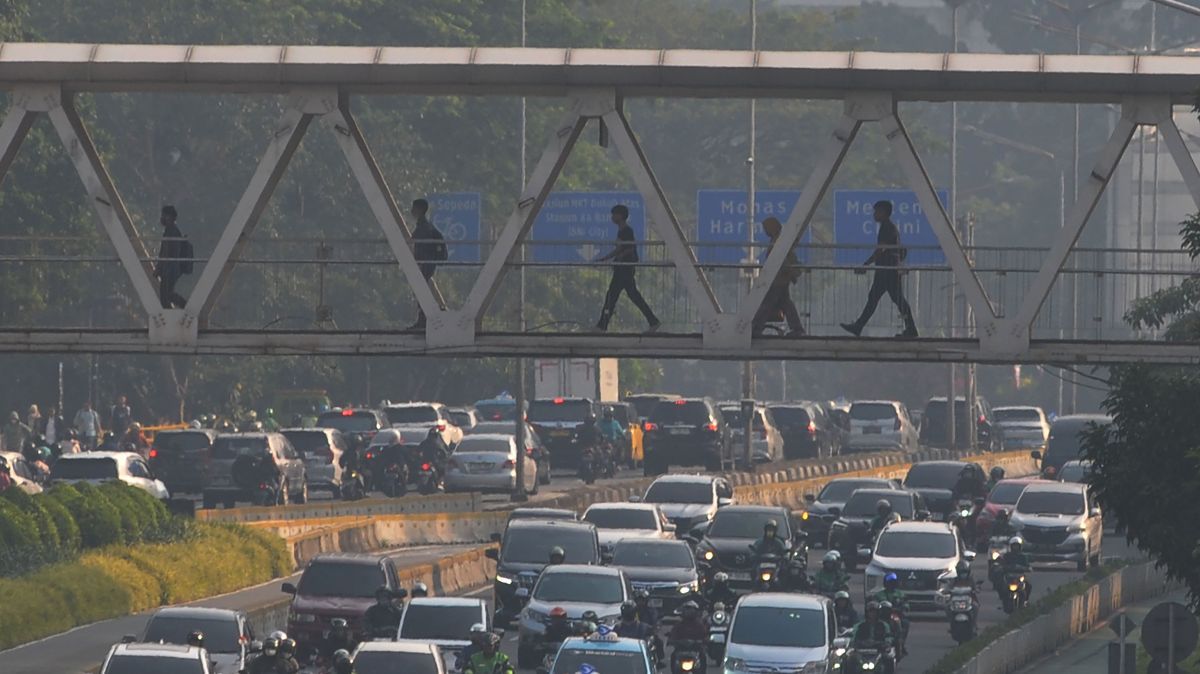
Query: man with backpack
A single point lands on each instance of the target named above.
(887, 258)
(429, 247)
(174, 260)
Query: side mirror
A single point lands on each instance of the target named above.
(864, 553)
(494, 537)
(724, 501)
(810, 498)
(128, 639)
(969, 555)
(289, 588)
(492, 554)
(1035, 454)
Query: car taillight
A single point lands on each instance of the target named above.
(812, 427)
(982, 419)
(153, 453)
(711, 427)
(425, 466)
(558, 401)
(370, 455)
(441, 426)
(650, 426)
(347, 413)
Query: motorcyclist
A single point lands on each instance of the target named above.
(433, 450)
(588, 436)
(994, 475)
(962, 575)
(136, 438)
(968, 486)
(251, 470)
(339, 638)
(557, 556)
(195, 639)
(559, 628)
(287, 651)
(718, 591)
(250, 423)
(830, 579)
(646, 613)
(42, 458)
(1015, 561)
(475, 636)
(1001, 526)
(843, 608)
(269, 423)
(770, 543)
(892, 594)
(109, 443)
(6, 481)
(691, 627)
(490, 659)
(342, 664)
(419, 589)
(873, 632)
(611, 430)
(884, 515)
(272, 660)
(383, 617)
(630, 627)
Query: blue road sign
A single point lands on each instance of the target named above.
(457, 216)
(854, 226)
(721, 218)
(586, 218)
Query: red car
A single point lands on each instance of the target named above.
(1002, 497)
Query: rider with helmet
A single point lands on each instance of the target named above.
(843, 608)
(342, 664)
(433, 450)
(557, 556)
(273, 660)
(383, 617)
(994, 475)
(770, 543)
(1001, 525)
(612, 431)
(884, 515)
(691, 627)
(719, 591)
(969, 485)
(831, 578)
(873, 632)
(559, 628)
(646, 613)
(892, 594)
(475, 636)
(630, 627)
(269, 423)
(490, 659)
(1015, 561)
(339, 638)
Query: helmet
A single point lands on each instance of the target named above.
(770, 524)
(835, 554)
(872, 606)
(252, 415)
(1002, 514)
(890, 580)
(608, 412)
(689, 608)
(841, 594)
(279, 635)
(195, 639)
(591, 617)
(287, 647)
(270, 647)
(339, 624)
(196, 424)
(341, 662)
(419, 589)
(963, 569)
(997, 473)
(268, 412)
(829, 561)
(490, 641)
(44, 453)
(558, 612)
(135, 426)
(721, 578)
(642, 596)
(1016, 540)
(883, 505)
(476, 633)
(589, 418)
(885, 606)
(557, 553)
(628, 610)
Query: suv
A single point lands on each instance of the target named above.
(781, 632)
(227, 634)
(1066, 440)
(644, 403)
(726, 543)
(180, 458)
(766, 445)
(321, 449)
(424, 416)
(684, 431)
(923, 555)
(338, 585)
(852, 529)
(463, 417)
(525, 550)
(807, 431)
(988, 436)
(358, 426)
(577, 588)
(227, 449)
(823, 508)
(1060, 523)
(880, 425)
(100, 467)
(617, 521)
(157, 658)
(557, 421)
(1024, 427)
(689, 501)
(935, 482)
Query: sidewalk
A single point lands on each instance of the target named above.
(1089, 654)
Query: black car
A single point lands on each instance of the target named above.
(180, 459)
(644, 403)
(935, 480)
(525, 550)
(825, 507)
(807, 431)
(851, 530)
(557, 422)
(1066, 440)
(357, 425)
(989, 436)
(725, 545)
(684, 432)
(666, 570)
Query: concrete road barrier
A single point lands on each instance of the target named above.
(415, 503)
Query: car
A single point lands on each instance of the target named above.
(825, 507)
(21, 473)
(100, 467)
(224, 486)
(337, 585)
(1060, 522)
(989, 437)
(424, 417)
(357, 425)
(644, 403)
(156, 658)
(228, 636)
(725, 545)
(533, 443)
(502, 408)
(1075, 471)
(781, 632)
(603, 653)
(807, 431)
(617, 521)
(322, 450)
(463, 417)
(488, 462)
(1003, 496)
(684, 432)
(852, 529)
(1025, 427)
(665, 570)
(525, 550)
(444, 621)
(1066, 440)
(577, 588)
(180, 458)
(388, 657)
(877, 425)
(766, 443)
(689, 501)
(533, 513)
(923, 555)
(935, 480)
(557, 422)
(625, 414)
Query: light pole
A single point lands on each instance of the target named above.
(748, 366)
(951, 435)
(518, 492)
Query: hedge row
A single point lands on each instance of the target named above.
(60, 523)
(120, 580)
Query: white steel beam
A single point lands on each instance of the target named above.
(284, 141)
(1182, 156)
(114, 217)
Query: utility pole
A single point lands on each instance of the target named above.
(518, 492)
(748, 366)
(952, 388)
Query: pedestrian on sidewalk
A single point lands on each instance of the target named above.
(15, 433)
(888, 256)
(624, 256)
(120, 417)
(778, 299)
(429, 247)
(87, 423)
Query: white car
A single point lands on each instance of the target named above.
(444, 621)
(1025, 427)
(488, 462)
(577, 588)
(689, 501)
(421, 417)
(880, 425)
(21, 472)
(387, 657)
(100, 467)
(766, 443)
(1059, 523)
(923, 555)
(157, 658)
(781, 632)
(615, 521)
(321, 449)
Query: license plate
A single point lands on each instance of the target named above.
(559, 434)
(655, 602)
(739, 575)
(680, 431)
(479, 467)
(872, 430)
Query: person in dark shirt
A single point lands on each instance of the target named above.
(623, 255)
(778, 299)
(887, 258)
(429, 247)
(169, 267)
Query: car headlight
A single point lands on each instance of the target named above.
(839, 652)
(709, 555)
(304, 617)
(505, 580)
(804, 515)
(735, 665)
(687, 588)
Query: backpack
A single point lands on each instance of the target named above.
(186, 253)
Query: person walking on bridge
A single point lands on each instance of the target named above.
(887, 258)
(778, 299)
(429, 247)
(174, 260)
(624, 256)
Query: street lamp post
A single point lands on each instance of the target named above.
(518, 492)
(951, 434)
(748, 366)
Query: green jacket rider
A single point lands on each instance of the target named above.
(489, 660)
(831, 578)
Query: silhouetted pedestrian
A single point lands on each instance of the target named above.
(778, 299)
(887, 258)
(171, 263)
(120, 416)
(429, 247)
(624, 256)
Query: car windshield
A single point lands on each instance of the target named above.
(1016, 414)
(496, 411)
(533, 546)
(1075, 472)
(417, 414)
(746, 524)
(862, 504)
(571, 661)
(349, 423)
(1006, 493)
(232, 446)
(340, 579)
(307, 442)
(790, 416)
(620, 518)
(839, 491)
(588, 588)
(149, 664)
(180, 441)
(778, 627)
(481, 443)
(90, 468)
(541, 411)
(680, 492)
(916, 544)
(691, 413)
(1050, 503)
(872, 412)
(670, 555)
(430, 621)
(220, 634)
(389, 662)
(933, 475)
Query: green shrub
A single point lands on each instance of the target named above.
(69, 539)
(133, 517)
(98, 519)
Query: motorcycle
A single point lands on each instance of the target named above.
(1015, 592)
(997, 548)
(265, 494)
(353, 488)
(395, 479)
(428, 479)
(961, 611)
(718, 632)
(766, 574)
(588, 465)
(860, 660)
(687, 658)
(895, 618)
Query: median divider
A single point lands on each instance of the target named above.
(431, 503)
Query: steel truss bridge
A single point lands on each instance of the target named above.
(319, 84)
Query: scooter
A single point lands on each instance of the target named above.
(687, 658)
(997, 548)
(961, 611)
(587, 465)
(428, 479)
(766, 574)
(863, 660)
(395, 479)
(1015, 592)
(718, 632)
(353, 488)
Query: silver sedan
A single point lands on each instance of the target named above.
(488, 462)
